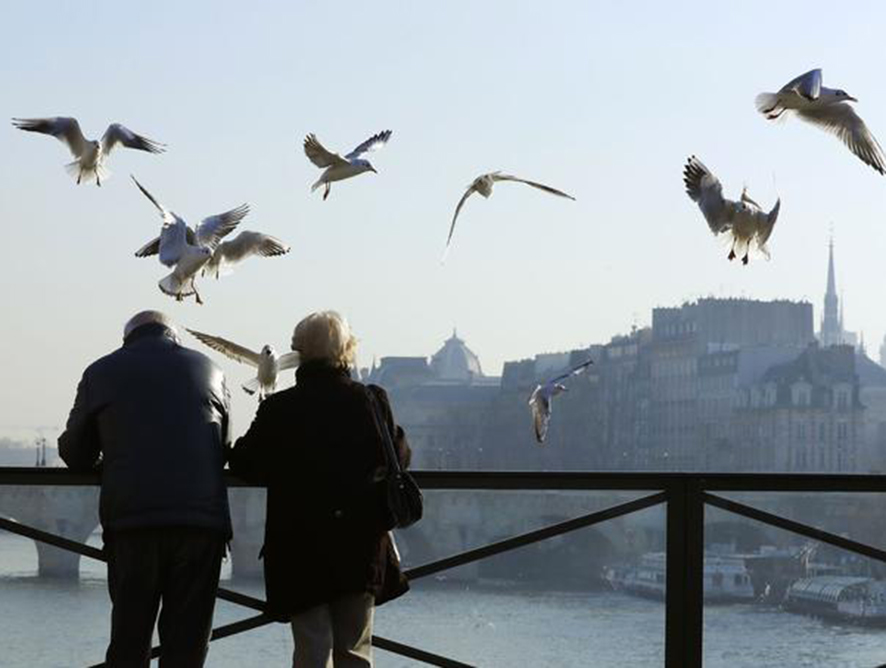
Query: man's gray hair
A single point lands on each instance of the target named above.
(147, 318)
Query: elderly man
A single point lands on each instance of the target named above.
(153, 416)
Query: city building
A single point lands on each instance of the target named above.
(715, 384)
(439, 402)
(803, 415)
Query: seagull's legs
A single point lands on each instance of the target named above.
(326, 190)
(98, 179)
(79, 176)
(731, 255)
(197, 296)
(744, 260)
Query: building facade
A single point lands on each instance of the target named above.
(716, 384)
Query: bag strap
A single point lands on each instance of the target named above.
(393, 460)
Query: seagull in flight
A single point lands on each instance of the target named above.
(267, 362)
(543, 395)
(244, 245)
(187, 250)
(483, 185)
(829, 109)
(745, 221)
(90, 154)
(338, 168)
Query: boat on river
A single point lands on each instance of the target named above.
(858, 600)
(726, 579)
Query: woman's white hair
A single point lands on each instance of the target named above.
(325, 335)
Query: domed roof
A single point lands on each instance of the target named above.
(455, 361)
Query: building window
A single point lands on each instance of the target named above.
(842, 431)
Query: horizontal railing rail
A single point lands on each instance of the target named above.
(684, 494)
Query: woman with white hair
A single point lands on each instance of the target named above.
(328, 558)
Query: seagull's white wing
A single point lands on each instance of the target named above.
(150, 248)
(540, 404)
(470, 191)
(64, 129)
(165, 214)
(705, 189)
(374, 142)
(808, 85)
(288, 361)
(176, 232)
(229, 348)
(214, 228)
(118, 134)
(318, 154)
(173, 242)
(841, 120)
(574, 371)
(242, 246)
(765, 225)
(746, 199)
(497, 176)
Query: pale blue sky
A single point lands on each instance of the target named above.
(604, 100)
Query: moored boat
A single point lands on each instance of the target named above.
(725, 578)
(857, 600)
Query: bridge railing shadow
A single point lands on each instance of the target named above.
(685, 496)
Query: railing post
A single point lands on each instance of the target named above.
(685, 575)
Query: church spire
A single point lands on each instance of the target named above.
(832, 282)
(831, 333)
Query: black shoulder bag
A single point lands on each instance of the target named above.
(402, 502)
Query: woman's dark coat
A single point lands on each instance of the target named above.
(317, 448)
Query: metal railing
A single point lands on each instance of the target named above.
(684, 494)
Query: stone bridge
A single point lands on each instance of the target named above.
(71, 512)
(453, 522)
(459, 520)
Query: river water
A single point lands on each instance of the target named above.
(47, 623)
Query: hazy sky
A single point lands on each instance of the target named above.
(604, 100)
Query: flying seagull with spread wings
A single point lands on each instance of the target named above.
(244, 245)
(744, 220)
(338, 168)
(483, 185)
(829, 109)
(185, 249)
(267, 362)
(90, 154)
(542, 398)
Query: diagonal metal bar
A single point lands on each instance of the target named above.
(417, 654)
(222, 593)
(51, 539)
(94, 553)
(237, 598)
(239, 627)
(795, 527)
(534, 536)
